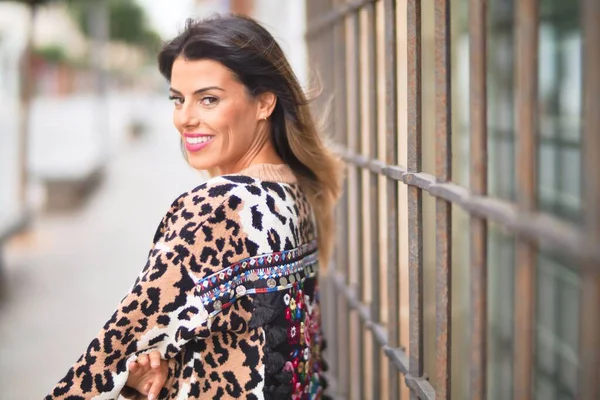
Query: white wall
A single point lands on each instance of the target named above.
(205, 8)
(14, 19)
(286, 20)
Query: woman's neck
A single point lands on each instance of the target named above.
(264, 153)
(281, 173)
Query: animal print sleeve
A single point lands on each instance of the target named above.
(162, 311)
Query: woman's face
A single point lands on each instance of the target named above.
(220, 124)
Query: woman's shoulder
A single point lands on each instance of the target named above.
(237, 197)
(232, 189)
(214, 190)
(224, 186)
(209, 201)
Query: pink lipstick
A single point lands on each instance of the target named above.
(196, 141)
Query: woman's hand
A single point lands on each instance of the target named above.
(148, 374)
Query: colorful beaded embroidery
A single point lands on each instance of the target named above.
(261, 274)
(304, 339)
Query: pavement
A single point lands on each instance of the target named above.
(65, 276)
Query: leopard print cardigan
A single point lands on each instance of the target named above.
(229, 296)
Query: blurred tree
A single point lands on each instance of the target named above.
(127, 22)
(53, 53)
(32, 2)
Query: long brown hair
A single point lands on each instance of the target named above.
(256, 60)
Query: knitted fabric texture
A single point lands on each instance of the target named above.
(229, 297)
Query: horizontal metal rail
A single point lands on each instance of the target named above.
(544, 229)
(397, 355)
(334, 16)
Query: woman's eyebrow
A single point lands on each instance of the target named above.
(199, 91)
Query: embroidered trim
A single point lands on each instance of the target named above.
(261, 274)
(261, 261)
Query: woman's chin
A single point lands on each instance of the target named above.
(203, 165)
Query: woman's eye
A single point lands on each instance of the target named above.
(209, 100)
(177, 100)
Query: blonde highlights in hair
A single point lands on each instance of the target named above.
(323, 188)
(257, 61)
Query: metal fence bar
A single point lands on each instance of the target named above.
(526, 110)
(343, 364)
(332, 350)
(330, 297)
(371, 33)
(478, 186)
(415, 209)
(420, 385)
(589, 337)
(355, 83)
(443, 220)
(391, 113)
(589, 327)
(335, 15)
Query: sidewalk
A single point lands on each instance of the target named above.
(64, 279)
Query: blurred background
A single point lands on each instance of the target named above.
(89, 163)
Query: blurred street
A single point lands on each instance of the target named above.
(89, 164)
(65, 276)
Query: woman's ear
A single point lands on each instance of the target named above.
(266, 105)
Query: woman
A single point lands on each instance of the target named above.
(229, 297)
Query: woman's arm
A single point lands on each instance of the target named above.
(161, 312)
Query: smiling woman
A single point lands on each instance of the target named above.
(228, 302)
(220, 123)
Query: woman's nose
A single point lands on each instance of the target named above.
(187, 117)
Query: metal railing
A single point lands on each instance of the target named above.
(344, 43)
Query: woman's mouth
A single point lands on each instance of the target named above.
(196, 142)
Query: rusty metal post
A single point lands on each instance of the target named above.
(526, 110)
(391, 157)
(343, 371)
(333, 349)
(371, 30)
(332, 298)
(589, 327)
(310, 45)
(355, 144)
(415, 195)
(443, 208)
(478, 186)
